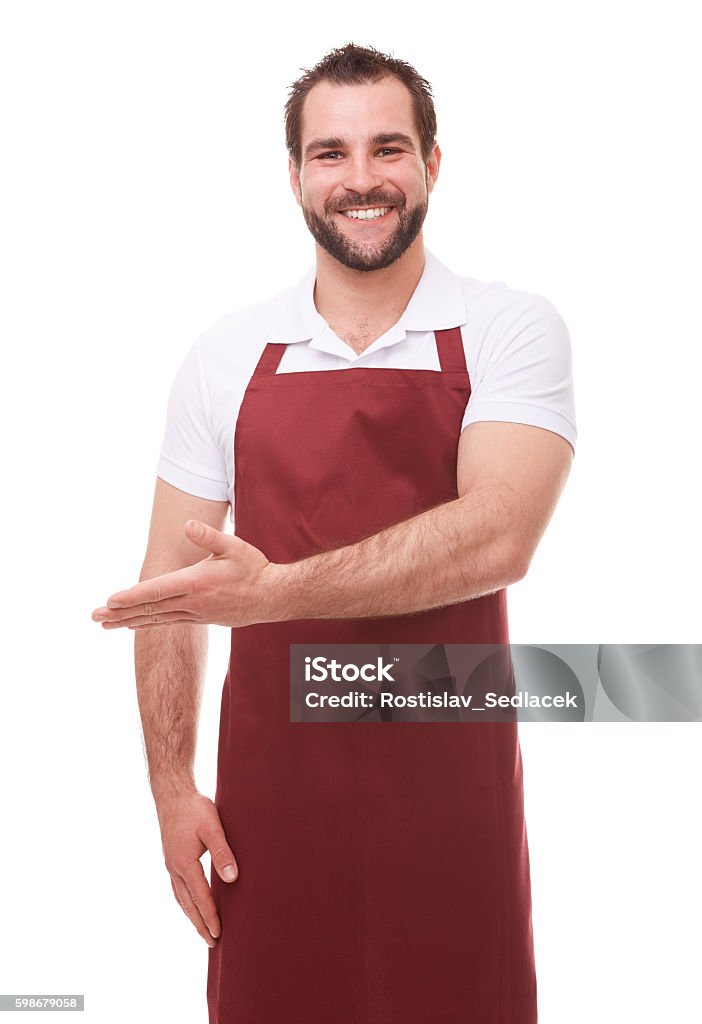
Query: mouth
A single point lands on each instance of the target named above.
(367, 214)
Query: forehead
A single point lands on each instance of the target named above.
(355, 111)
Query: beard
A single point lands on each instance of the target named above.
(366, 255)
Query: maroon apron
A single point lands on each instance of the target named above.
(383, 867)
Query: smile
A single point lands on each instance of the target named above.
(369, 213)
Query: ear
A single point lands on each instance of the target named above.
(433, 164)
(294, 180)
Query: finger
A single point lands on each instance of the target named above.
(201, 897)
(171, 584)
(208, 538)
(163, 620)
(159, 625)
(178, 899)
(180, 891)
(176, 616)
(221, 853)
(145, 610)
(183, 897)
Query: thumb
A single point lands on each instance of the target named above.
(205, 536)
(220, 852)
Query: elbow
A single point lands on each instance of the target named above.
(514, 564)
(500, 567)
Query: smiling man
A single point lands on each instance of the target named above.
(390, 440)
(388, 218)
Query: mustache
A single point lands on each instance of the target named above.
(367, 203)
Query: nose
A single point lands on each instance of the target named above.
(361, 174)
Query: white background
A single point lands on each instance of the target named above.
(144, 194)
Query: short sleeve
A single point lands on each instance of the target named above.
(190, 457)
(523, 371)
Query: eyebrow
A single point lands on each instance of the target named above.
(374, 140)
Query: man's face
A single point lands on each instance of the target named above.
(361, 151)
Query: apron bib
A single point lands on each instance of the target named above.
(383, 868)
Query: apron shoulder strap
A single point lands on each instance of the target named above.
(449, 345)
(270, 357)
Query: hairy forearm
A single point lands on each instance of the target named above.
(169, 667)
(454, 552)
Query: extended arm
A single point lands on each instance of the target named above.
(453, 552)
(510, 477)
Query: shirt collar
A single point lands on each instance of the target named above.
(437, 303)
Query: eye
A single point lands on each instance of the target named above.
(335, 152)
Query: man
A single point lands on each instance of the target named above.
(391, 440)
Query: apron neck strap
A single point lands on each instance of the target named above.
(449, 346)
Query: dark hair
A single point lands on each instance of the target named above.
(356, 65)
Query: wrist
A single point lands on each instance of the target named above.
(276, 595)
(172, 785)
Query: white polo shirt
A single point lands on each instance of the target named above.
(517, 349)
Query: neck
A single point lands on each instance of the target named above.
(361, 305)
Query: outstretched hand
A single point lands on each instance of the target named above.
(229, 588)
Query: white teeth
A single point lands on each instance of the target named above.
(369, 214)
